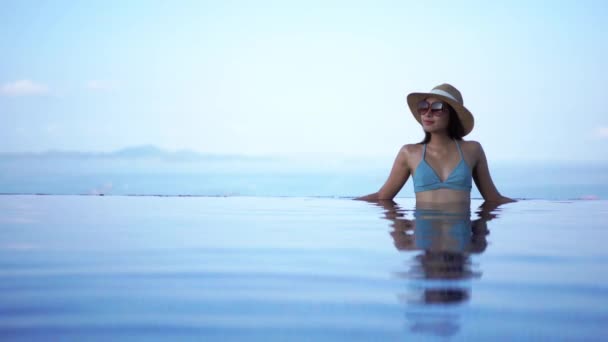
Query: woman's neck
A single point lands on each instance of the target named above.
(440, 140)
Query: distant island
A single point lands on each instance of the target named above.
(134, 152)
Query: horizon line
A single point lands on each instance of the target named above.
(152, 149)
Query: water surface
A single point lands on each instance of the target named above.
(234, 268)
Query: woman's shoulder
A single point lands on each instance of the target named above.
(471, 145)
(411, 149)
(409, 153)
(472, 149)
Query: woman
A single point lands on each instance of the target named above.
(442, 165)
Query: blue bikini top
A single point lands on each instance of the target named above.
(426, 179)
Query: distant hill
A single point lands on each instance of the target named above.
(135, 152)
(143, 151)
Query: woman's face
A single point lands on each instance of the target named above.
(434, 120)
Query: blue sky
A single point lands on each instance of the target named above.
(315, 78)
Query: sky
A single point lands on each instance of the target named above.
(310, 78)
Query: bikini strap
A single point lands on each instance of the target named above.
(423, 151)
(459, 150)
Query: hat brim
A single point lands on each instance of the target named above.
(465, 116)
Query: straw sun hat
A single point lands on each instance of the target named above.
(451, 96)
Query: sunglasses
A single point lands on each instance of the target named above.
(436, 108)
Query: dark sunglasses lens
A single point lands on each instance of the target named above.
(423, 106)
(437, 107)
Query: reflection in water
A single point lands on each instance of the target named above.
(445, 238)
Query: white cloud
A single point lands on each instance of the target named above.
(602, 132)
(23, 88)
(100, 85)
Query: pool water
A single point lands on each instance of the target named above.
(253, 268)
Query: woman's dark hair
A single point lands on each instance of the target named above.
(455, 129)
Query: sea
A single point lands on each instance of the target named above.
(69, 175)
(141, 250)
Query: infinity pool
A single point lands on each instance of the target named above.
(247, 268)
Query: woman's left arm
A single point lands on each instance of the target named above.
(483, 180)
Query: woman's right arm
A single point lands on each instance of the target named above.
(397, 178)
(483, 180)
